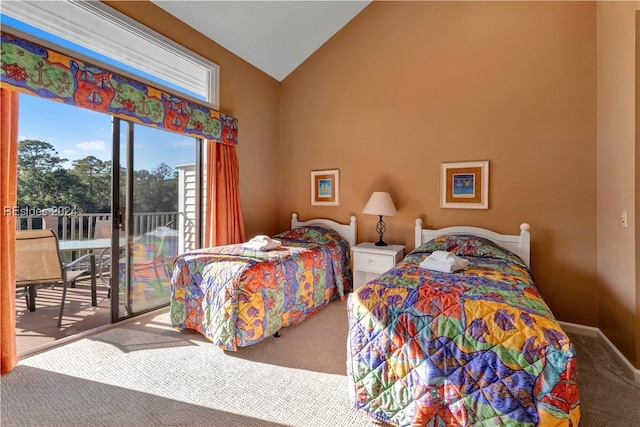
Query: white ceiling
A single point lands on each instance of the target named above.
(274, 36)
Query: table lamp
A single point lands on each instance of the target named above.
(380, 204)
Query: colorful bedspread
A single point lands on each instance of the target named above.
(237, 296)
(478, 347)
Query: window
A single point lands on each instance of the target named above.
(101, 29)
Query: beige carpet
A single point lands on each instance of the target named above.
(145, 373)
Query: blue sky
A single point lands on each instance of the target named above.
(76, 133)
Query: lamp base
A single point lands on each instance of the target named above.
(380, 228)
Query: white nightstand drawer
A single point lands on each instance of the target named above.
(373, 262)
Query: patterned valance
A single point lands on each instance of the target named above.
(31, 68)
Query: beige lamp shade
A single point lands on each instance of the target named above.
(380, 203)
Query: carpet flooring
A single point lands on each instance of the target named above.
(145, 373)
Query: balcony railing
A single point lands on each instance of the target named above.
(81, 226)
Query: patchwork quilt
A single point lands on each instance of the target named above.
(237, 296)
(477, 347)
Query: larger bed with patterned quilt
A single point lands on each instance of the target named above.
(476, 347)
(236, 295)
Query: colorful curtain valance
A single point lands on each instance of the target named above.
(37, 70)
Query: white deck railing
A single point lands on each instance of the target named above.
(81, 226)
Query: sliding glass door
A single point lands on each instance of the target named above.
(152, 212)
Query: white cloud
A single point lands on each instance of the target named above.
(96, 145)
(71, 152)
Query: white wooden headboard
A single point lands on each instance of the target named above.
(348, 231)
(519, 244)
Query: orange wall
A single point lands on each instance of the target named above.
(409, 85)
(616, 147)
(245, 93)
(406, 86)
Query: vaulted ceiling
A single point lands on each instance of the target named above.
(274, 36)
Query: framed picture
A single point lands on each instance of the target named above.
(325, 188)
(464, 185)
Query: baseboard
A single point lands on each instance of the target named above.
(596, 332)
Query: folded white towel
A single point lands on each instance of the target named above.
(262, 243)
(445, 263)
(441, 256)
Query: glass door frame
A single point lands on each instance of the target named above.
(118, 219)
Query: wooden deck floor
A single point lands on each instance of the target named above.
(36, 328)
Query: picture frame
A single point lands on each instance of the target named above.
(464, 185)
(325, 187)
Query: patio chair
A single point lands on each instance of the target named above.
(102, 229)
(39, 263)
(50, 222)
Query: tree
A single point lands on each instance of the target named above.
(95, 176)
(156, 191)
(42, 181)
(38, 155)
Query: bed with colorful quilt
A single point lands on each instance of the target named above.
(237, 296)
(476, 347)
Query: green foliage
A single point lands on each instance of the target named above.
(41, 177)
(95, 178)
(156, 190)
(43, 182)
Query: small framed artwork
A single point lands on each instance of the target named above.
(464, 185)
(325, 187)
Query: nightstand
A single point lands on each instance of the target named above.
(370, 261)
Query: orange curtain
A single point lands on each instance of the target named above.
(224, 224)
(8, 198)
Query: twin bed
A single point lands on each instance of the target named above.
(424, 348)
(237, 296)
(475, 347)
